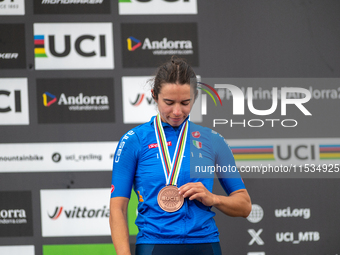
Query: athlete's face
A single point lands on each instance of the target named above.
(175, 102)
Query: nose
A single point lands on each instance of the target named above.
(177, 111)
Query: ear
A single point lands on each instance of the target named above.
(153, 96)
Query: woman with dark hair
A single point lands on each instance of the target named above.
(174, 214)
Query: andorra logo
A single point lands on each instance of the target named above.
(136, 41)
(52, 101)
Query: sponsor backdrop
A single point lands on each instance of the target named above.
(74, 79)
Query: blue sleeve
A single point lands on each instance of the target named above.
(228, 174)
(124, 165)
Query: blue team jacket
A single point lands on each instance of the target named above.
(137, 163)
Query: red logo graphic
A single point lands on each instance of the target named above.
(196, 134)
(155, 145)
(112, 188)
(57, 212)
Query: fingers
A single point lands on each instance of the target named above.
(196, 190)
(183, 189)
(196, 196)
(193, 191)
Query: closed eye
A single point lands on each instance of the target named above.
(168, 102)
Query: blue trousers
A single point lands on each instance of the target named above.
(179, 249)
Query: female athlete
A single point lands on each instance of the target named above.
(156, 158)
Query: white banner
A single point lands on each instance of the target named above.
(60, 46)
(17, 250)
(138, 104)
(14, 101)
(12, 7)
(48, 157)
(76, 212)
(135, 7)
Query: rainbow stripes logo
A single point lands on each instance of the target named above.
(208, 92)
(39, 46)
(204, 97)
(329, 151)
(52, 101)
(244, 153)
(129, 43)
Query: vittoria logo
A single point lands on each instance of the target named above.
(58, 211)
(79, 212)
(139, 99)
(138, 104)
(73, 46)
(75, 212)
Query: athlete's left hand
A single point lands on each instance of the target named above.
(196, 190)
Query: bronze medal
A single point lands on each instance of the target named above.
(169, 199)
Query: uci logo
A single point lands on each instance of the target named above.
(301, 152)
(60, 46)
(79, 42)
(16, 99)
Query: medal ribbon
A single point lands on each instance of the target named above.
(171, 169)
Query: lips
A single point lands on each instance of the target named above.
(176, 119)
